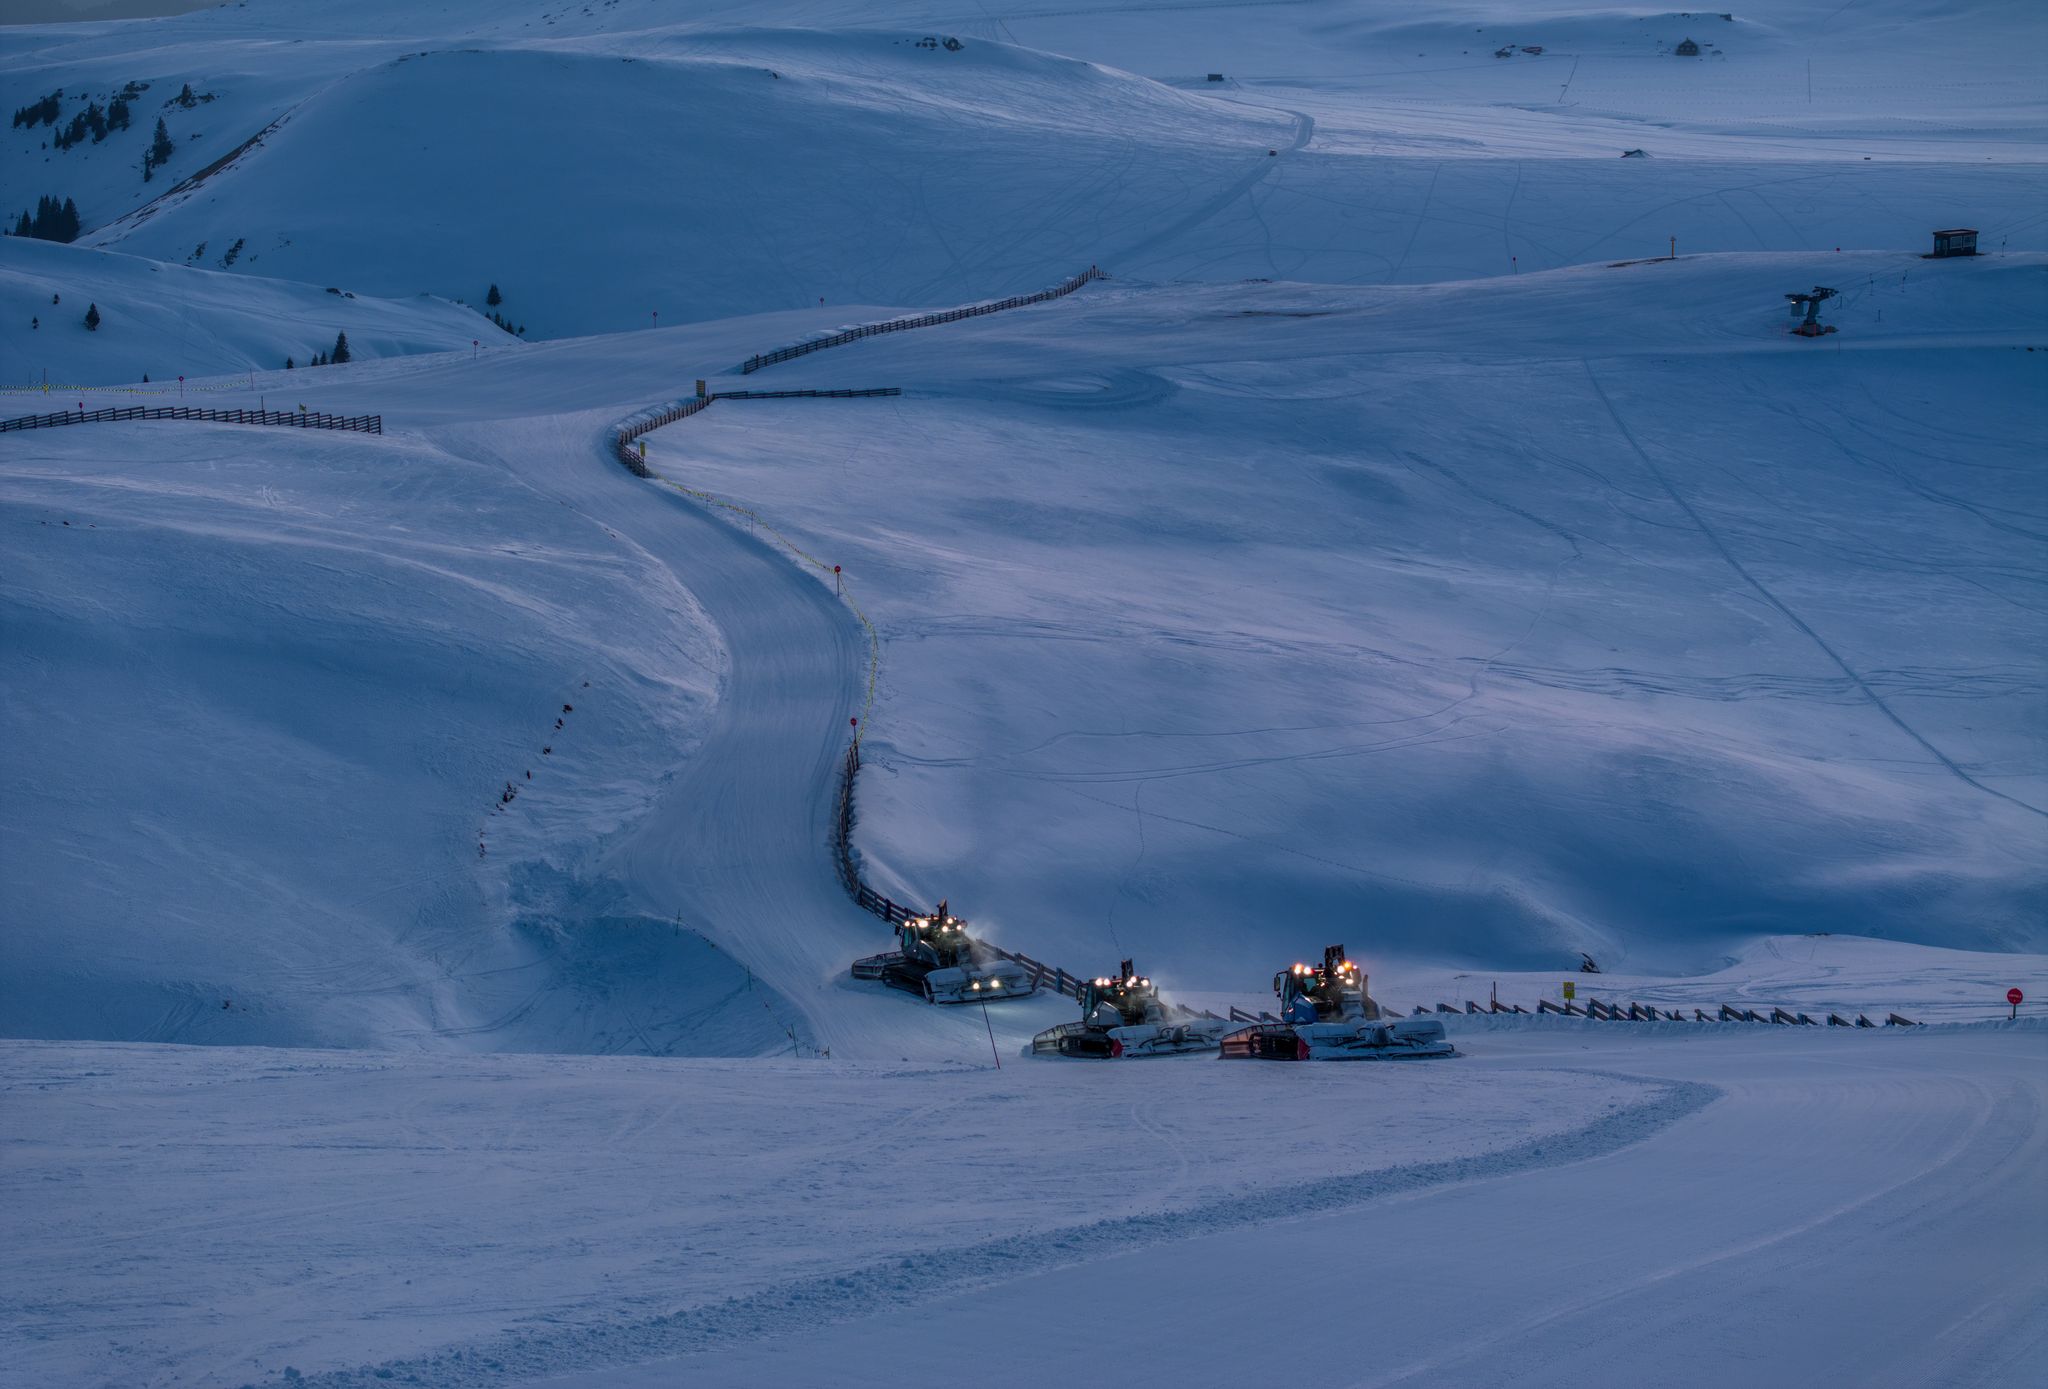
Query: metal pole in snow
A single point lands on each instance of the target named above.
(991, 1035)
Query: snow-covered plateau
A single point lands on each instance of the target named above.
(424, 946)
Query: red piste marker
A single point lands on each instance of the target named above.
(2015, 998)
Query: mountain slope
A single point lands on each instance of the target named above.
(165, 320)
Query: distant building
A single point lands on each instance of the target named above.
(1956, 241)
(1688, 49)
(1215, 77)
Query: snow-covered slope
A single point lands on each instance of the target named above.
(162, 320)
(1494, 621)
(236, 1216)
(1218, 623)
(264, 694)
(1534, 597)
(603, 166)
(875, 169)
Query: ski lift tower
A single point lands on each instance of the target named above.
(1811, 326)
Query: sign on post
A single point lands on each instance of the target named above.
(2015, 998)
(1571, 991)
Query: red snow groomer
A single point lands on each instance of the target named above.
(1124, 1018)
(938, 961)
(1326, 1015)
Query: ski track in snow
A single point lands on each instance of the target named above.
(807, 1304)
(1744, 573)
(1870, 1214)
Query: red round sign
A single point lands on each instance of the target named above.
(2015, 997)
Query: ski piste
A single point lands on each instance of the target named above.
(1327, 1015)
(938, 961)
(1123, 1018)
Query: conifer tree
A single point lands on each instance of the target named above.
(493, 299)
(340, 352)
(92, 318)
(290, 365)
(160, 148)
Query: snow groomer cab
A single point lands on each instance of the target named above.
(1124, 1018)
(937, 960)
(1327, 1015)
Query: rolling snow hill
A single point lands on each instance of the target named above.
(1398, 549)
(265, 692)
(1487, 621)
(161, 320)
(609, 164)
(1216, 622)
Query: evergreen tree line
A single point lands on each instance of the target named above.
(334, 356)
(54, 221)
(94, 122)
(42, 112)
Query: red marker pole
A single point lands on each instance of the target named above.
(181, 388)
(2015, 998)
(473, 345)
(835, 581)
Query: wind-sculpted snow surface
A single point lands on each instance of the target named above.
(308, 733)
(536, 1215)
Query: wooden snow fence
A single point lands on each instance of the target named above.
(288, 419)
(1597, 1011)
(898, 325)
